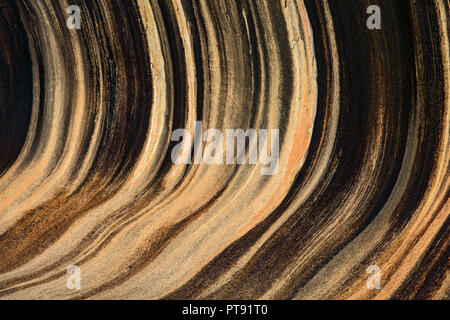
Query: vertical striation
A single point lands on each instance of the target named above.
(87, 176)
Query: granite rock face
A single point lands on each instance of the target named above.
(92, 90)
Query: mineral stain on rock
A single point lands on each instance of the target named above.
(87, 179)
